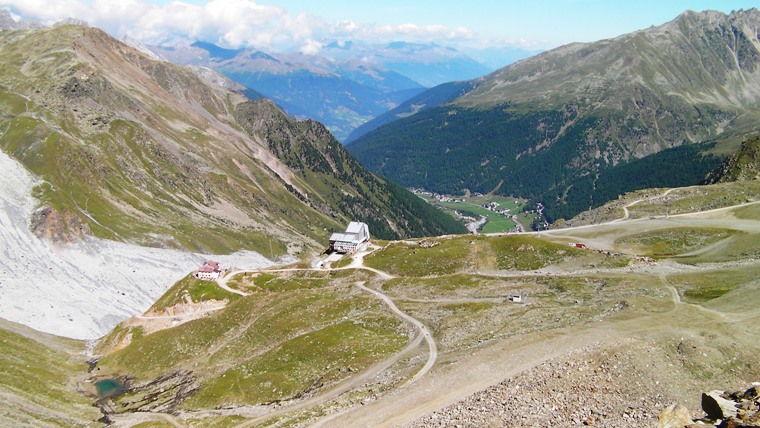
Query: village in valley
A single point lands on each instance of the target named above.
(486, 213)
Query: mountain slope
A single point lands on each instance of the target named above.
(307, 148)
(41, 374)
(433, 97)
(743, 165)
(341, 94)
(544, 125)
(299, 341)
(142, 151)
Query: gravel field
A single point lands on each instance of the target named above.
(81, 290)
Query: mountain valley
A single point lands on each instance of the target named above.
(343, 86)
(127, 171)
(662, 303)
(576, 126)
(124, 173)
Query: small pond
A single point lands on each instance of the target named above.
(110, 387)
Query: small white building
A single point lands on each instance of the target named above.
(356, 234)
(209, 271)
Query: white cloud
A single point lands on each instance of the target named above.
(46, 11)
(311, 47)
(231, 23)
(422, 33)
(347, 26)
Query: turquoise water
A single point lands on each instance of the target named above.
(109, 387)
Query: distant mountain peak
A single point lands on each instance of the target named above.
(72, 21)
(8, 23)
(217, 52)
(345, 45)
(411, 45)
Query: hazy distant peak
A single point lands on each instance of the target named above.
(71, 21)
(341, 44)
(8, 23)
(217, 52)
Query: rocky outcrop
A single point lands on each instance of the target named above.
(58, 226)
(739, 409)
(743, 165)
(716, 406)
(674, 416)
(163, 394)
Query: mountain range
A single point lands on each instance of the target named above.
(123, 165)
(578, 125)
(343, 86)
(137, 150)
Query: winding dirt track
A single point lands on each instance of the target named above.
(222, 282)
(423, 394)
(367, 375)
(424, 332)
(507, 358)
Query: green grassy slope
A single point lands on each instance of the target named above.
(742, 165)
(137, 150)
(39, 380)
(295, 333)
(298, 333)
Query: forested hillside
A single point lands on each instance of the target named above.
(558, 127)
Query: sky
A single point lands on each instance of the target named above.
(307, 25)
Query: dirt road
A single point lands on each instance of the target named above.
(486, 367)
(222, 282)
(436, 386)
(424, 332)
(367, 375)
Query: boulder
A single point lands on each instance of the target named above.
(752, 393)
(674, 416)
(718, 407)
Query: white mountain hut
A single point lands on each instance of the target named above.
(356, 234)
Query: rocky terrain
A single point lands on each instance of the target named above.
(138, 150)
(620, 384)
(735, 409)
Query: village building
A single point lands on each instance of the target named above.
(209, 271)
(352, 239)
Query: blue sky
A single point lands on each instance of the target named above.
(547, 22)
(307, 25)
